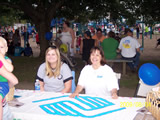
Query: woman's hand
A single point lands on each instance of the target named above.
(73, 95)
(114, 94)
(41, 85)
(77, 91)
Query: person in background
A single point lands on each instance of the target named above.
(33, 34)
(18, 50)
(98, 37)
(68, 37)
(129, 48)
(28, 50)
(86, 45)
(146, 30)
(158, 43)
(16, 37)
(37, 40)
(78, 43)
(117, 37)
(25, 36)
(11, 48)
(137, 30)
(110, 46)
(59, 33)
(97, 78)
(54, 75)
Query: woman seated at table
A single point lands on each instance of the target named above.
(54, 75)
(97, 78)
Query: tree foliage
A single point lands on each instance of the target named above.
(41, 12)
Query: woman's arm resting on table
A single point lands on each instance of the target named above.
(41, 85)
(67, 86)
(114, 93)
(77, 91)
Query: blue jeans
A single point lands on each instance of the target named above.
(137, 35)
(135, 60)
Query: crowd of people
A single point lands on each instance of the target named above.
(115, 46)
(14, 37)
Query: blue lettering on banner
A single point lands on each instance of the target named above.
(64, 109)
(98, 76)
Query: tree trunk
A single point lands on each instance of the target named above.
(42, 28)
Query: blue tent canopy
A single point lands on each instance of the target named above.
(56, 21)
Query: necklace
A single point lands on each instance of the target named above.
(53, 68)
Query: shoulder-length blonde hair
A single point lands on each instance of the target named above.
(49, 71)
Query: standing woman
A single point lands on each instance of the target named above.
(54, 76)
(86, 45)
(97, 78)
(16, 38)
(68, 36)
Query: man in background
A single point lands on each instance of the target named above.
(130, 49)
(98, 37)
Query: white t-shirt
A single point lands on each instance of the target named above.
(98, 82)
(128, 46)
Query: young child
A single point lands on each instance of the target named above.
(78, 43)
(6, 77)
(3, 50)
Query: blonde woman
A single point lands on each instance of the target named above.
(54, 76)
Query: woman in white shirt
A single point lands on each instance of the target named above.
(97, 78)
(68, 37)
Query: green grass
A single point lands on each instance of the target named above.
(129, 81)
(25, 68)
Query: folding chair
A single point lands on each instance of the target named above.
(118, 76)
(142, 89)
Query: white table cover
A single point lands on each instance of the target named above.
(57, 106)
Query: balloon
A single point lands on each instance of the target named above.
(149, 74)
(63, 48)
(48, 35)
